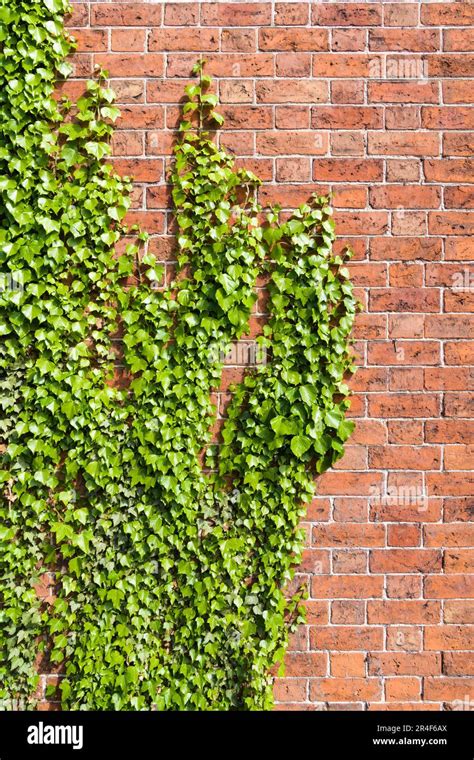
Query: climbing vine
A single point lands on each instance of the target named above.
(168, 555)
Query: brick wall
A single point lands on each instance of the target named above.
(373, 101)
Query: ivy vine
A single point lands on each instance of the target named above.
(168, 572)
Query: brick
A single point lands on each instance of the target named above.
(449, 587)
(308, 664)
(458, 612)
(404, 560)
(404, 196)
(347, 91)
(443, 378)
(403, 92)
(348, 39)
(445, 14)
(181, 13)
(128, 40)
(348, 664)
(405, 249)
(341, 65)
(458, 664)
(454, 431)
(292, 91)
(405, 299)
(290, 689)
(403, 143)
(458, 561)
(126, 14)
(403, 586)
(404, 275)
(346, 117)
(290, 143)
(454, 170)
(183, 39)
(294, 40)
(457, 91)
(348, 534)
(403, 170)
(404, 663)
(405, 457)
(345, 689)
(461, 352)
(131, 64)
(236, 14)
(449, 637)
(402, 689)
(344, 14)
(403, 638)
(400, 14)
(410, 611)
(239, 40)
(447, 117)
(293, 65)
(458, 457)
(347, 169)
(350, 561)
(346, 587)
(459, 197)
(91, 40)
(424, 40)
(449, 65)
(342, 637)
(288, 14)
(449, 535)
(231, 65)
(450, 223)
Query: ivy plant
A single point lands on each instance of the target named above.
(168, 554)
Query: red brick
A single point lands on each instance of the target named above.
(403, 143)
(294, 40)
(345, 689)
(131, 64)
(346, 117)
(404, 299)
(404, 663)
(449, 637)
(402, 689)
(348, 664)
(344, 14)
(458, 91)
(407, 611)
(404, 560)
(454, 170)
(363, 638)
(292, 91)
(181, 13)
(449, 587)
(403, 92)
(458, 612)
(290, 143)
(404, 39)
(126, 14)
(405, 249)
(346, 587)
(236, 14)
(288, 14)
(447, 14)
(128, 40)
(405, 457)
(404, 196)
(183, 39)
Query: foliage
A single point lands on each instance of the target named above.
(168, 577)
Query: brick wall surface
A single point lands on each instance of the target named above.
(373, 101)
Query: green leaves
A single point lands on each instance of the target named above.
(168, 577)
